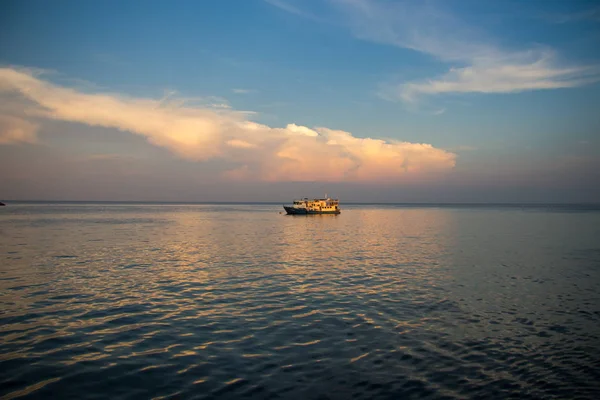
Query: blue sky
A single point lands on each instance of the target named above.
(505, 93)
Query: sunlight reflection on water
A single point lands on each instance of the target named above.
(238, 300)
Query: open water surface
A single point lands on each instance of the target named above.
(238, 301)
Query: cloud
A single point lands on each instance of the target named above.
(15, 130)
(516, 73)
(242, 91)
(250, 150)
(220, 105)
(241, 144)
(476, 64)
(479, 65)
(286, 6)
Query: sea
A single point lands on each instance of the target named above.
(231, 301)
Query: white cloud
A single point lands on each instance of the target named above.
(242, 91)
(220, 105)
(513, 75)
(254, 151)
(477, 64)
(301, 130)
(288, 7)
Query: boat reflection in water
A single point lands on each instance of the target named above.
(314, 206)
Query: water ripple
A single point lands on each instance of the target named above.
(241, 302)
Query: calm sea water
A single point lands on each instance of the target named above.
(239, 301)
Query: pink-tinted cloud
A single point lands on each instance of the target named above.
(17, 130)
(256, 151)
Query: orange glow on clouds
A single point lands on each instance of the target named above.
(260, 152)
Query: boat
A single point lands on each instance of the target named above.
(2, 204)
(307, 206)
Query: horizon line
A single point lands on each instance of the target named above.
(183, 202)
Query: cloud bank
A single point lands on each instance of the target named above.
(249, 150)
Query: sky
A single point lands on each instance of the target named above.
(270, 100)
